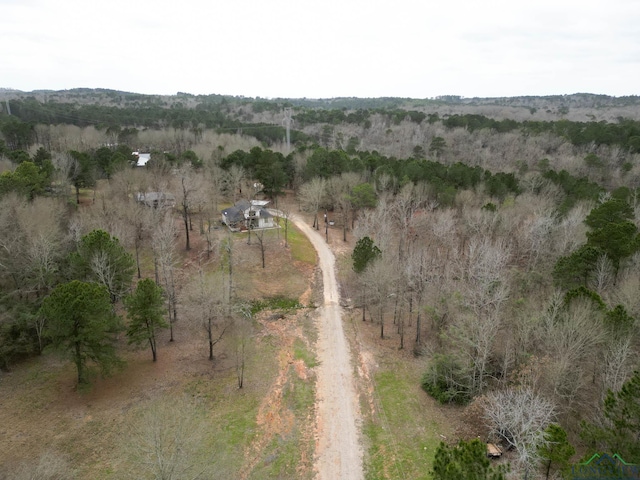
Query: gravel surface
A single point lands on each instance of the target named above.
(338, 448)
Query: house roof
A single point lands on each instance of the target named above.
(233, 214)
(242, 204)
(238, 212)
(143, 158)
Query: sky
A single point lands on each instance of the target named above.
(323, 48)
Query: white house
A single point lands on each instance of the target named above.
(143, 158)
(246, 214)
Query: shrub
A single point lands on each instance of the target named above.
(445, 381)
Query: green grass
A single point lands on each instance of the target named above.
(301, 248)
(301, 352)
(275, 303)
(403, 439)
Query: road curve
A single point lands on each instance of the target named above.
(338, 448)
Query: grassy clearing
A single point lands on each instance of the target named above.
(301, 248)
(404, 436)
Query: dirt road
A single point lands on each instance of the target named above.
(338, 448)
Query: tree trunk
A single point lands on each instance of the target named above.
(152, 344)
(395, 308)
(170, 322)
(210, 340)
(155, 269)
(185, 217)
(548, 469)
(137, 246)
(79, 365)
(345, 219)
(410, 311)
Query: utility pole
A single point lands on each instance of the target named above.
(287, 124)
(326, 227)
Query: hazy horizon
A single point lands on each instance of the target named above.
(323, 49)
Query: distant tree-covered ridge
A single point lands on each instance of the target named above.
(106, 109)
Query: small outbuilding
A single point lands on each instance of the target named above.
(493, 451)
(156, 199)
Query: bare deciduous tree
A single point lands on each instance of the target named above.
(376, 223)
(381, 276)
(168, 442)
(571, 334)
(226, 248)
(519, 417)
(311, 195)
(233, 180)
(242, 330)
(485, 289)
(190, 185)
(603, 275)
(616, 365)
(206, 299)
(404, 206)
(163, 245)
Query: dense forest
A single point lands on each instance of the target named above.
(497, 239)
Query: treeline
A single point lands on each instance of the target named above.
(123, 123)
(217, 113)
(625, 133)
(359, 117)
(276, 171)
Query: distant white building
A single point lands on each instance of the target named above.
(143, 158)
